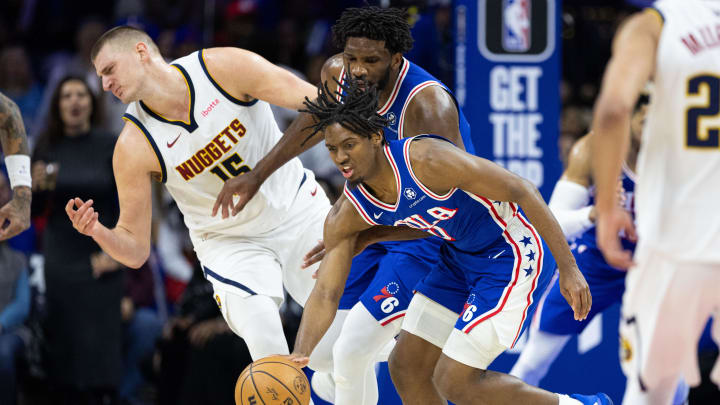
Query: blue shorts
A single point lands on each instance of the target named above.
(607, 286)
(391, 290)
(363, 270)
(503, 282)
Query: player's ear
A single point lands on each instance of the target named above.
(142, 50)
(396, 60)
(378, 138)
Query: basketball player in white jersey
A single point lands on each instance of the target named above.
(673, 283)
(194, 124)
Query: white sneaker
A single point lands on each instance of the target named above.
(323, 385)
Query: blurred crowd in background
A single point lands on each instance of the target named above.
(78, 328)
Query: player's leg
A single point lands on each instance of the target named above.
(355, 355)
(540, 351)
(247, 283)
(665, 308)
(554, 324)
(256, 319)
(472, 383)
(376, 320)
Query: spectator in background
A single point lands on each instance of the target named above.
(83, 287)
(14, 309)
(79, 65)
(198, 357)
(18, 83)
(141, 328)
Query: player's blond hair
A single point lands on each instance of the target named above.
(123, 34)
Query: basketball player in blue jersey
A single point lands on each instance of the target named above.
(193, 125)
(413, 102)
(477, 210)
(572, 203)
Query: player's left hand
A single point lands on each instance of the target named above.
(16, 212)
(609, 225)
(244, 186)
(299, 359)
(576, 292)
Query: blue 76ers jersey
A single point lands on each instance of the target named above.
(470, 222)
(410, 81)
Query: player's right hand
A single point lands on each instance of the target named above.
(609, 225)
(244, 186)
(84, 218)
(299, 359)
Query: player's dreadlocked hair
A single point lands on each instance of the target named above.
(356, 109)
(379, 24)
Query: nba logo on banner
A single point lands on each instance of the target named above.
(516, 30)
(517, 27)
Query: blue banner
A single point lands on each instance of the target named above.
(507, 64)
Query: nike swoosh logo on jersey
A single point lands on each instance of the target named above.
(170, 144)
(377, 215)
(312, 193)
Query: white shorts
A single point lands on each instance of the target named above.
(666, 306)
(435, 323)
(263, 264)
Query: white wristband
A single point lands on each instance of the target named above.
(18, 168)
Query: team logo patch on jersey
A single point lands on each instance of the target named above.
(410, 194)
(626, 350)
(391, 118)
(217, 299)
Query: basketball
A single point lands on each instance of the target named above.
(272, 380)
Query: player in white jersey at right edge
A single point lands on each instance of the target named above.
(193, 125)
(673, 282)
(572, 203)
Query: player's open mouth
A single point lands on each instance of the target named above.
(346, 171)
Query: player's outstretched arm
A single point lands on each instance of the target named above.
(244, 75)
(631, 65)
(441, 167)
(15, 148)
(571, 195)
(129, 241)
(342, 226)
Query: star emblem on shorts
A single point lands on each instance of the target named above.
(497, 202)
(531, 255)
(528, 270)
(526, 241)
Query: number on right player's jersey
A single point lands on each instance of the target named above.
(696, 135)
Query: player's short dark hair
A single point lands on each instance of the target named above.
(355, 109)
(124, 32)
(380, 24)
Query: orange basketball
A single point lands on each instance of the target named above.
(272, 380)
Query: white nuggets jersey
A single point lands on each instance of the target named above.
(678, 194)
(222, 137)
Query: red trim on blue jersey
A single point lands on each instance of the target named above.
(396, 88)
(539, 264)
(406, 155)
(341, 79)
(358, 206)
(398, 185)
(506, 295)
(413, 93)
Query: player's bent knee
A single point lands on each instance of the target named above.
(348, 351)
